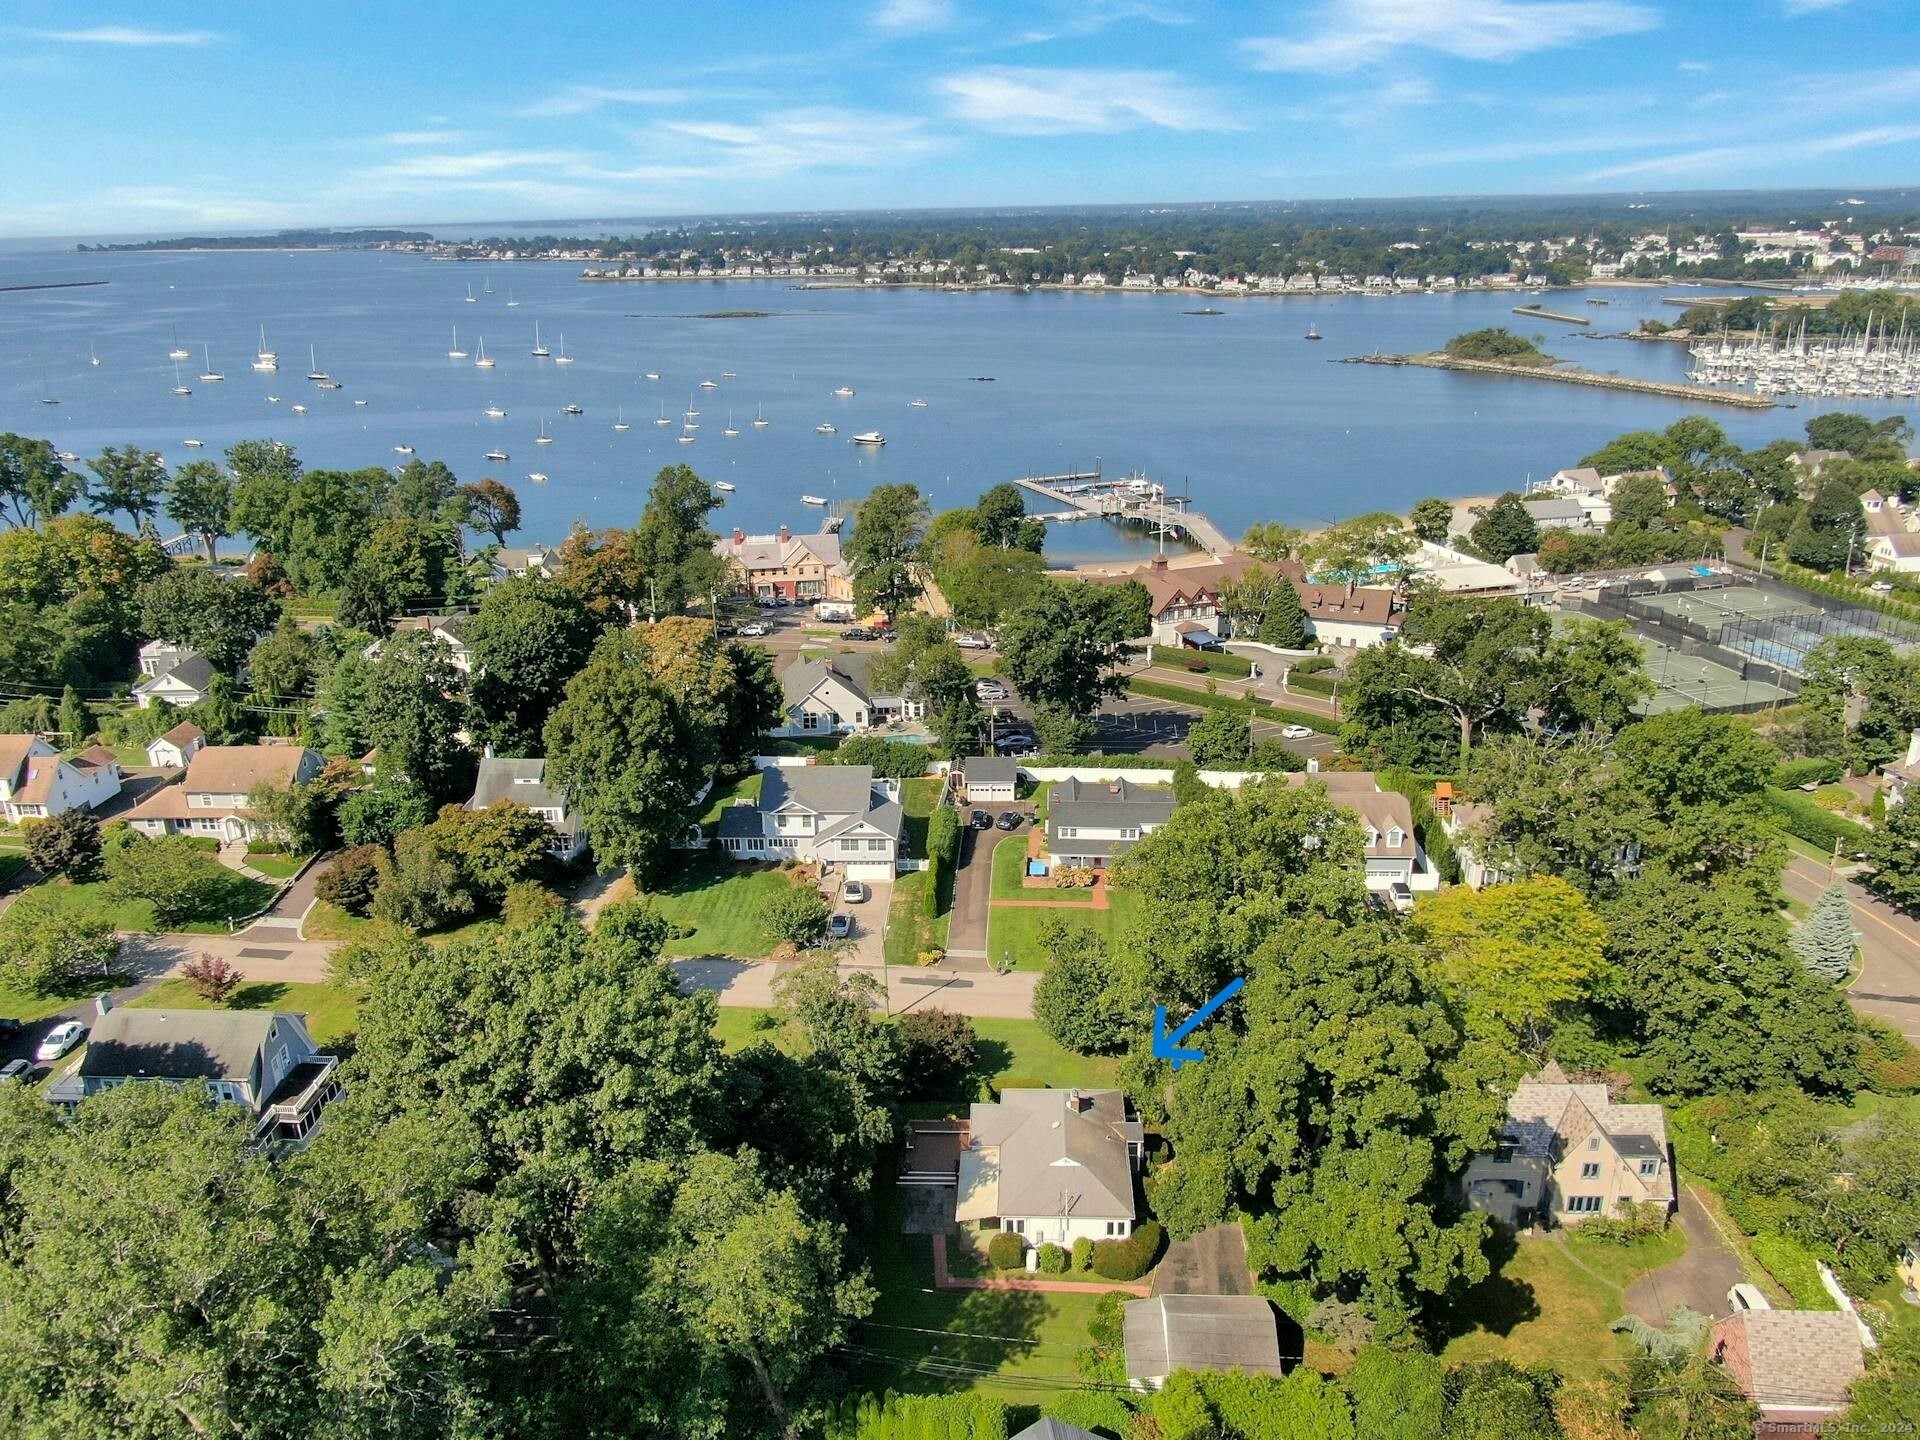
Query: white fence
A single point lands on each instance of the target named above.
(1102, 775)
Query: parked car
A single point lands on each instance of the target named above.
(1009, 820)
(853, 893)
(969, 641)
(769, 602)
(1747, 1297)
(10, 1027)
(15, 1070)
(1296, 732)
(59, 1040)
(1201, 642)
(980, 820)
(1016, 748)
(1881, 587)
(839, 926)
(856, 632)
(1401, 894)
(758, 627)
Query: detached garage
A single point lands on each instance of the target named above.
(990, 778)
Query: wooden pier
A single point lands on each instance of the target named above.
(1540, 312)
(1131, 501)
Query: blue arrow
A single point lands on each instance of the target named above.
(1168, 1047)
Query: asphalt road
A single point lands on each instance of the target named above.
(1888, 985)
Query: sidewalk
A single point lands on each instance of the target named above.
(978, 993)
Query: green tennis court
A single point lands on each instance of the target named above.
(1685, 680)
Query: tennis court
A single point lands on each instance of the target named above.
(1686, 680)
(1713, 608)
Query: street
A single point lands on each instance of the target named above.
(1888, 985)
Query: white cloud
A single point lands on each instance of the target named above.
(907, 16)
(778, 144)
(579, 99)
(472, 165)
(1090, 17)
(127, 35)
(1717, 160)
(1350, 34)
(1693, 67)
(1019, 100)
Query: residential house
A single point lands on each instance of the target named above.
(1391, 849)
(523, 782)
(1457, 573)
(181, 683)
(1186, 603)
(449, 630)
(36, 784)
(828, 814)
(1089, 822)
(1796, 1366)
(834, 696)
(989, 779)
(1899, 553)
(174, 749)
(1567, 1153)
(212, 799)
(1813, 466)
(511, 560)
(1466, 823)
(157, 656)
(800, 569)
(1053, 1166)
(1554, 512)
(1199, 1332)
(264, 1061)
(1883, 516)
(1048, 1428)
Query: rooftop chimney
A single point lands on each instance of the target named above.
(1078, 1102)
(1159, 562)
(739, 536)
(784, 536)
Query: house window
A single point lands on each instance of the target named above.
(1590, 1170)
(1018, 1227)
(1516, 1188)
(1069, 831)
(1583, 1204)
(874, 847)
(1116, 1228)
(1504, 1152)
(1395, 837)
(1130, 832)
(809, 720)
(1649, 1167)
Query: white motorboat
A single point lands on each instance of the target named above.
(359, 402)
(273, 399)
(543, 438)
(869, 437)
(67, 457)
(538, 477)
(812, 500)
(193, 444)
(539, 346)
(494, 412)
(709, 384)
(653, 374)
(299, 409)
(571, 410)
(456, 353)
(845, 392)
(326, 384)
(483, 361)
(403, 449)
(210, 375)
(499, 456)
(823, 428)
(724, 485)
(916, 404)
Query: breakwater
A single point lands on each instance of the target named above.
(1689, 394)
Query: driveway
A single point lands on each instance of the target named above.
(973, 894)
(1699, 1279)
(1214, 1262)
(1888, 985)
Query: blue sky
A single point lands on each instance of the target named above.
(168, 116)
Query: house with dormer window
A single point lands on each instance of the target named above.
(1567, 1153)
(835, 697)
(36, 784)
(833, 815)
(524, 783)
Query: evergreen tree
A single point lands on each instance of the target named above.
(1825, 942)
(1285, 624)
(76, 721)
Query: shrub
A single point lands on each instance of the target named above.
(1312, 685)
(353, 878)
(1796, 814)
(527, 902)
(1791, 774)
(68, 844)
(1007, 1251)
(212, 977)
(1082, 1253)
(931, 956)
(797, 915)
(1889, 1061)
(1053, 1260)
(1132, 1257)
(1631, 1224)
(1794, 1267)
(891, 759)
(48, 951)
(937, 1052)
(1313, 664)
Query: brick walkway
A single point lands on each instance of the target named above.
(944, 1281)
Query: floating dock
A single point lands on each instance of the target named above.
(1540, 312)
(1135, 500)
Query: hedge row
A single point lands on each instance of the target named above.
(943, 850)
(1312, 685)
(1815, 770)
(1214, 662)
(1181, 695)
(1796, 814)
(1132, 1257)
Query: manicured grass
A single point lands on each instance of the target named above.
(1192, 695)
(1008, 862)
(327, 921)
(903, 1274)
(735, 1028)
(917, 801)
(1203, 661)
(1551, 1297)
(276, 867)
(910, 930)
(718, 901)
(747, 787)
(1015, 930)
(1021, 1050)
(331, 1012)
(234, 895)
(17, 1004)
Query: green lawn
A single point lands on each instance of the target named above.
(1014, 930)
(1021, 1050)
(331, 1012)
(718, 901)
(1008, 862)
(276, 867)
(234, 895)
(747, 787)
(327, 921)
(11, 861)
(17, 1004)
(910, 929)
(1551, 1297)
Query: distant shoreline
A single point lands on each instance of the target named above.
(56, 285)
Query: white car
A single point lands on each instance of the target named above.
(973, 642)
(756, 628)
(1747, 1297)
(1296, 732)
(59, 1040)
(990, 690)
(853, 893)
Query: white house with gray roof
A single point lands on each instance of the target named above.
(841, 815)
(524, 782)
(1051, 1165)
(180, 682)
(835, 697)
(1089, 822)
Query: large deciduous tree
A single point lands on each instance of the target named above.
(34, 485)
(1478, 664)
(672, 543)
(200, 502)
(1505, 530)
(412, 712)
(1518, 954)
(127, 481)
(1364, 547)
(1064, 653)
(492, 508)
(883, 548)
(528, 639)
(220, 618)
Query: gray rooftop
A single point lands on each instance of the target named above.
(521, 781)
(195, 671)
(1035, 1146)
(1201, 1332)
(990, 770)
(823, 789)
(1106, 804)
(1048, 1428)
(803, 677)
(177, 1044)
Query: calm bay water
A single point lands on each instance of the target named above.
(1237, 407)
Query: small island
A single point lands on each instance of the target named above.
(1497, 351)
(280, 240)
